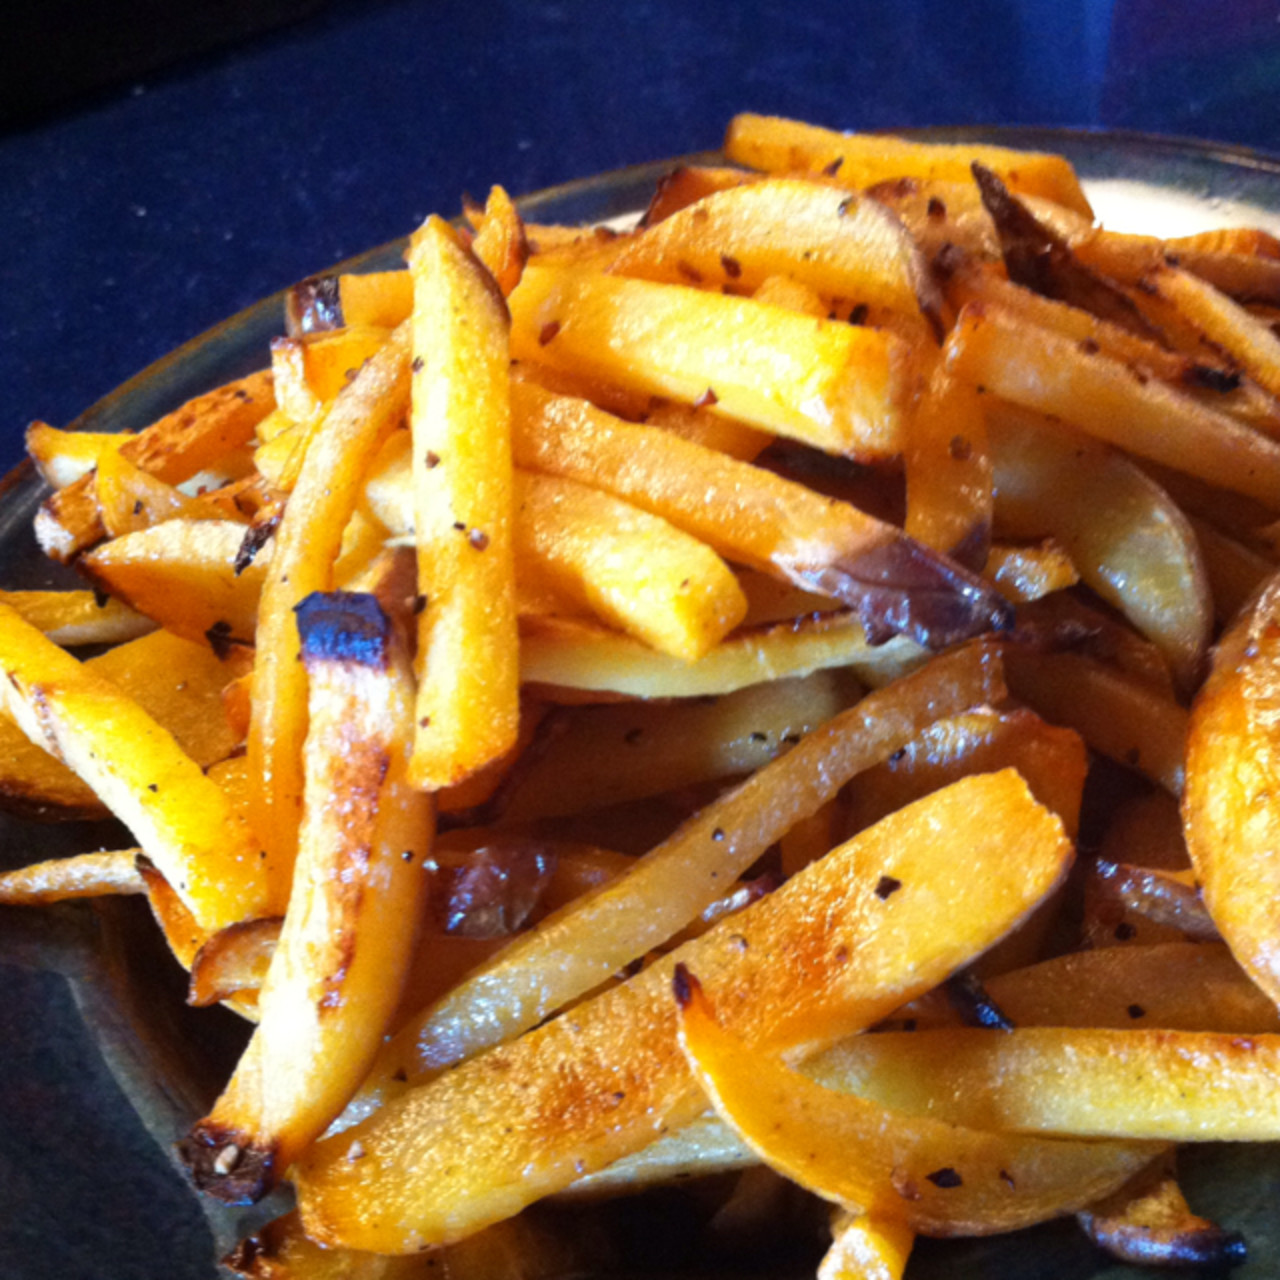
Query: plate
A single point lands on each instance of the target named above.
(104, 1066)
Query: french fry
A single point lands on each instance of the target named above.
(688, 183)
(180, 818)
(182, 574)
(1231, 760)
(505, 1111)
(661, 893)
(1117, 715)
(359, 882)
(63, 457)
(1025, 573)
(1129, 541)
(756, 518)
(624, 752)
(836, 386)
(563, 657)
(500, 241)
(866, 1247)
(87, 875)
(842, 246)
(939, 1177)
(172, 449)
(468, 651)
(1046, 372)
(306, 546)
(129, 499)
(861, 160)
(676, 594)
(234, 960)
(71, 618)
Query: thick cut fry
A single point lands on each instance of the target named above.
(480, 1142)
(1153, 1085)
(559, 655)
(948, 467)
(183, 575)
(134, 765)
(688, 183)
(940, 1178)
(756, 518)
(1127, 538)
(1103, 397)
(836, 386)
(1235, 571)
(840, 245)
(610, 754)
(1050, 759)
(306, 547)
(468, 649)
(177, 682)
(78, 617)
(359, 884)
(89, 875)
(1232, 766)
(862, 159)
(633, 569)
(1117, 715)
(576, 949)
(173, 449)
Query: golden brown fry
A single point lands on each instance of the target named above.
(173, 449)
(1043, 371)
(868, 1155)
(499, 1132)
(137, 769)
(1231, 767)
(833, 385)
(306, 546)
(861, 159)
(596, 936)
(234, 960)
(500, 242)
(1026, 573)
(468, 650)
(359, 883)
(70, 618)
(866, 1246)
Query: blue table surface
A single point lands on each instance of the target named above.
(137, 219)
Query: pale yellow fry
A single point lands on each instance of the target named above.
(180, 817)
(78, 617)
(1044, 371)
(306, 547)
(86, 875)
(468, 650)
(862, 159)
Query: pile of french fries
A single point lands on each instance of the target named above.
(591, 678)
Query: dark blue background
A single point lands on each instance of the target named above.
(134, 220)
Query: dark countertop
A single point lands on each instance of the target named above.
(140, 216)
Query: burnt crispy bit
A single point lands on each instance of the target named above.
(219, 638)
(947, 1178)
(313, 305)
(255, 538)
(973, 1003)
(343, 627)
(225, 1164)
(887, 886)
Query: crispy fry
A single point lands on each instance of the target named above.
(70, 618)
(335, 976)
(468, 651)
(306, 546)
(836, 386)
(89, 875)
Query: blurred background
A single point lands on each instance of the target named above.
(163, 165)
